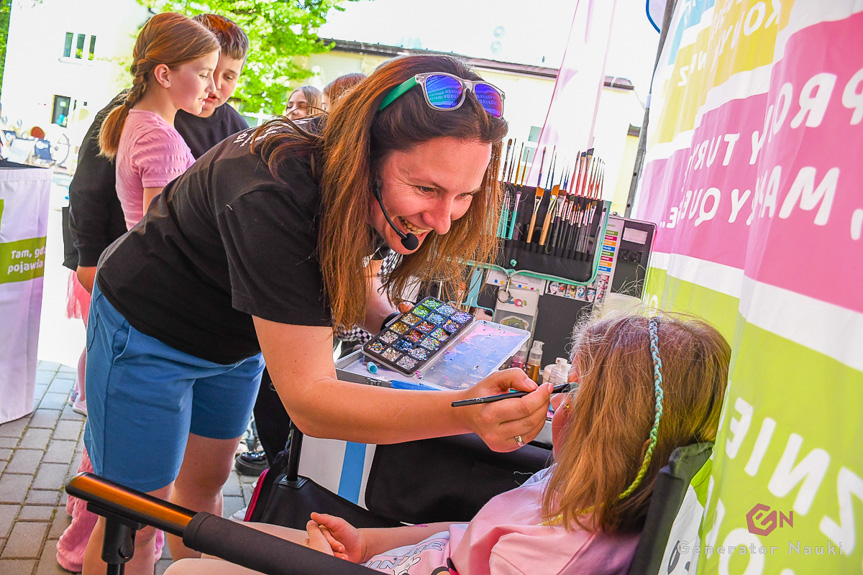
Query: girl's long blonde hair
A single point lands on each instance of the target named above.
(612, 413)
(346, 158)
(167, 38)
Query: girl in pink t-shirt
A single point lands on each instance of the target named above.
(645, 386)
(173, 64)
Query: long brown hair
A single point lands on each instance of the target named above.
(167, 38)
(612, 413)
(346, 158)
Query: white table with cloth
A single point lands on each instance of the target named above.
(24, 198)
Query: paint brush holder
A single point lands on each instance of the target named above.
(513, 256)
(567, 251)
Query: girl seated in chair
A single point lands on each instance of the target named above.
(645, 386)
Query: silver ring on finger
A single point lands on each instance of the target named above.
(519, 440)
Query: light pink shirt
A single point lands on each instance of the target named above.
(151, 154)
(506, 538)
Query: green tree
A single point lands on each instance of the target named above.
(279, 31)
(5, 10)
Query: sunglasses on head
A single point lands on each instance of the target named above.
(447, 92)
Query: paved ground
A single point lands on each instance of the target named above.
(40, 452)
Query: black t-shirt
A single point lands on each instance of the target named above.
(223, 242)
(96, 218)
(201, 134)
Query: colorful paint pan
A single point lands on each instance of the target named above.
(435, 318)
(402, 345)
(400, 327)
(417, 336)
(389, 336)
(411, 319)
(425, 327)
(440, 334)
(445, 310)
(407, 363)
(419, 353)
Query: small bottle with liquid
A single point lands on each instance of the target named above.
(559, 371)
(520, 357)
(534, 361)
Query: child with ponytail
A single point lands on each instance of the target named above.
(645, 386)
(172, 65)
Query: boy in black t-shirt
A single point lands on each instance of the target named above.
(96, 218)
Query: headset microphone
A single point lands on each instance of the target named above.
(409, 241)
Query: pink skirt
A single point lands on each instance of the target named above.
(77, 298)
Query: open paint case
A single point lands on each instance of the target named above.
(413, 340)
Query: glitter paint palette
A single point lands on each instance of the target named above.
(416, 338)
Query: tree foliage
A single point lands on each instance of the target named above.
(5, 11)
(279, 31)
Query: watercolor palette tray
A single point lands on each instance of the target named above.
(416, 338)
(475, 353)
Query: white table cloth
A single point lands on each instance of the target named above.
(24, 197)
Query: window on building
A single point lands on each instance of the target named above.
(79, 50)
(77, 46)
(67, 48)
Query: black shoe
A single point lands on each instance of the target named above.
(251, 463)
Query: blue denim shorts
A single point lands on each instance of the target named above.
(145, 397)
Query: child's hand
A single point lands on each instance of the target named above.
(508, 424)
(319, 542)
(344, 539)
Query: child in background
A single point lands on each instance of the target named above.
(304, 102)
(646, 387)
(334, 90)
(173, 64)
(217, 120)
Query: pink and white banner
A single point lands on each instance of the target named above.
(571, 115)
(754, 174)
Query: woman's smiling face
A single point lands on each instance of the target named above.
(428, 187)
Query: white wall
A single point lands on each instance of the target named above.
(36, 71)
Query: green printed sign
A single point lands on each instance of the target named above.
(688, 297)
(22, 260)
(752, 194)
(784, 497)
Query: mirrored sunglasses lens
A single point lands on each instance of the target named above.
(489, 99)
(443, 91)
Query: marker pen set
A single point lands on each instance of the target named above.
(561, 217)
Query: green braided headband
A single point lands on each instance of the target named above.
(653, 329)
